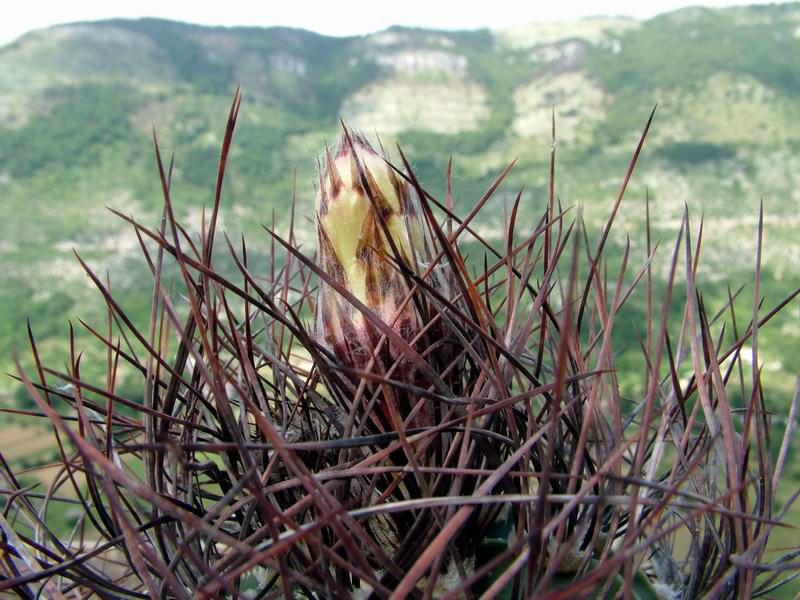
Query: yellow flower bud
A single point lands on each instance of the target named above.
(355, 251)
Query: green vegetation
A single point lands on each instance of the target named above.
(85, 120)
(702, 42)
(688, 154)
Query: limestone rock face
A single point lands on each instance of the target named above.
(578, 101)
(397, 104)
(423, 88)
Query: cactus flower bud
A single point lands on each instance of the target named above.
(355, 251)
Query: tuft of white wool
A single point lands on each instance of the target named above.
(664, 592)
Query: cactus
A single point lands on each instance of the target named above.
(445, 428)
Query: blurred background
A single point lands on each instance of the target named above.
(78, 101)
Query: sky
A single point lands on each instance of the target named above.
(333, 17)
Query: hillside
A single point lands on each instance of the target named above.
(78, 101)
